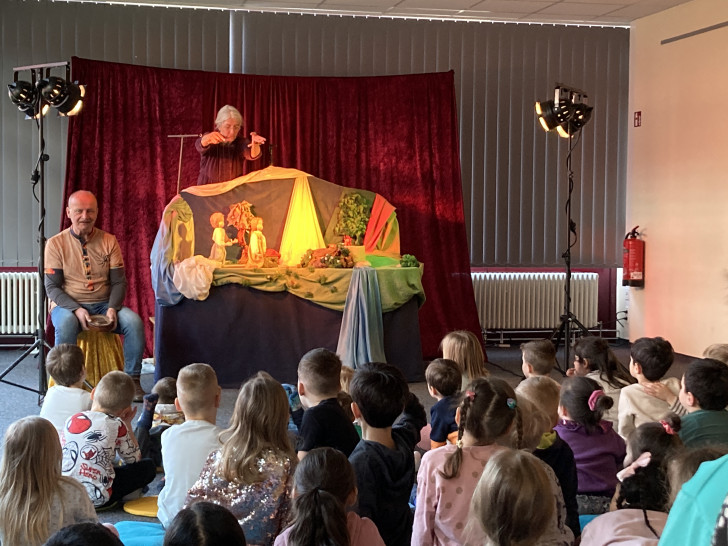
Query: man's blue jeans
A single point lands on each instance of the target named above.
(128, 324)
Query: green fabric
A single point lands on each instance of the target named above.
(327, 287)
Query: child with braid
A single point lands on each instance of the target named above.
(598, 450)
(486, 416)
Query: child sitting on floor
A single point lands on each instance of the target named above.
(486, 416)
(65, 364)
(465, 348)
(324, 422)
(598, 450)
(538, 357)
(650, 359)
(185, 447)
(158, 414)
(324, 487)
(642, 501)
(35, 500)
(383, 461)
(510, 502)
(544, 393)
(704, 394)
(251, 474)
(443, 383)
(91, 439)
(594, 359)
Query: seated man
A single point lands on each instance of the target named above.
(84, 276)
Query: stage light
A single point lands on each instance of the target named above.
(65, 96)
(566, 114)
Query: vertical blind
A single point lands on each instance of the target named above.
(514, 174)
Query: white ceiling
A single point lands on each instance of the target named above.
(589, 12)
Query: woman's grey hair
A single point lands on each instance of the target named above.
(227, 112)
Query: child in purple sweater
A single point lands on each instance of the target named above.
(598, 450)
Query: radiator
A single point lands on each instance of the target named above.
(523, 301)
(18, 303)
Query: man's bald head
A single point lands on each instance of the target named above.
(82, 210)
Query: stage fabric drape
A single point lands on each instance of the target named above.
(394, 135)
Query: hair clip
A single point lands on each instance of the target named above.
(594, 397)
(459, 443)
(668, 428)
(511, 402)
(640, 462)
(470, 394)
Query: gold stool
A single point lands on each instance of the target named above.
(103, 353)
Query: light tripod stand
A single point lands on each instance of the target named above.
(566, 114)
(35, 98)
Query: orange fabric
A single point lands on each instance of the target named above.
(452, 438)
(381, 212)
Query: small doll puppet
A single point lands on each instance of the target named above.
(257, 246)
(219, 238)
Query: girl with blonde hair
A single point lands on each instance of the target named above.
(511, 501)
(251, 474)
(465, 348)
(35, 499)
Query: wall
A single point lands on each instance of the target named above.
(514, 174)
(677, 165)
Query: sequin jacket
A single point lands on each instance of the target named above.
(260, 508)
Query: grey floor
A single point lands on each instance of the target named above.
(505, 362)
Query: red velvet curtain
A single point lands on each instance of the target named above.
(394, 135)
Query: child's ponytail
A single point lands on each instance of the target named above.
(323, 483)
(585, 401)
(487, 410)
(320, 520)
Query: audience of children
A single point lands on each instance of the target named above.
(383, 460)
(91, 439)
(544, 393)
(443, 383)
(642, 501)
(65, 364)
(538, 357)
(704, 394)
(185, 447)
(465, 348)
(246, 471)
(486, 416)
(324, 422)
(650, 359)
(510, 502)
(324, 488)
(204, 524)
(598, 450)
(594, 359)
(251, 474)
(35, 499)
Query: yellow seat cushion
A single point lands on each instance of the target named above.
(143, 506)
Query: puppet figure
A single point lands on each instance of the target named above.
(257, 246)
(219, 238)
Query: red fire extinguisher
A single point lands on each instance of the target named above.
(633, 260)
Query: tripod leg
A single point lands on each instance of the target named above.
(558, 335)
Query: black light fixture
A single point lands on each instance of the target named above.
(44, 91)
(567, 113)
(35, 98)
(62, 94)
